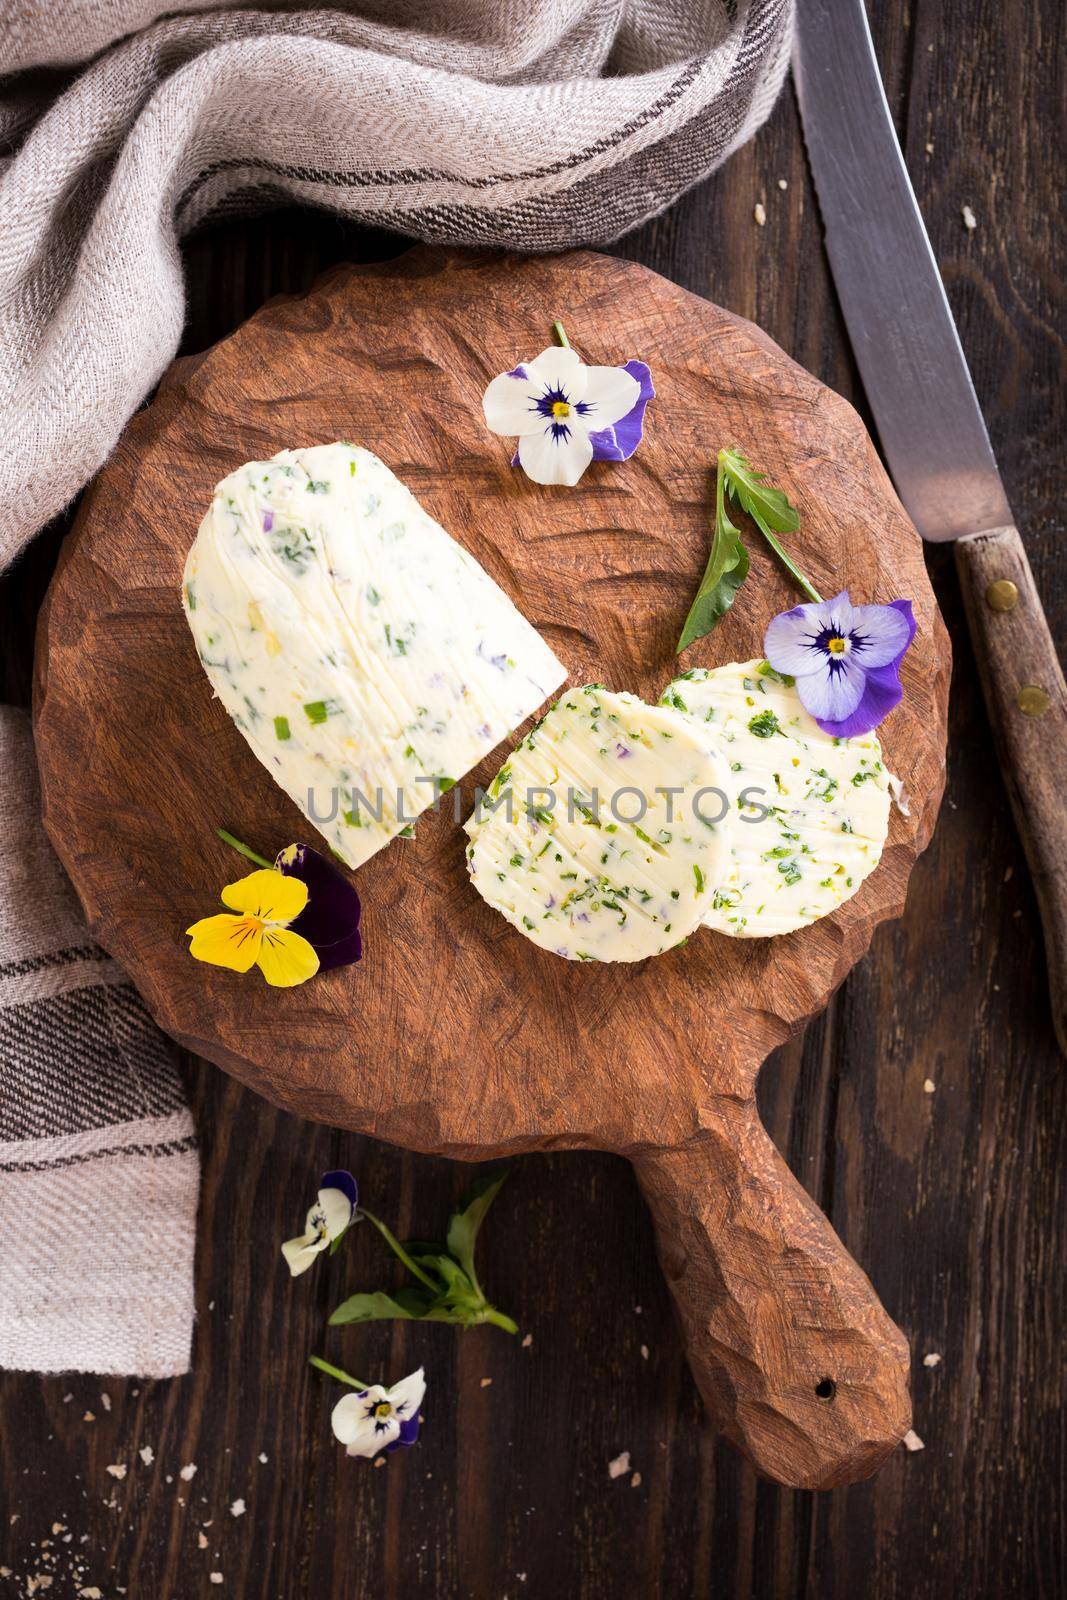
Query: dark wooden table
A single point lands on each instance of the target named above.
(953, 1200)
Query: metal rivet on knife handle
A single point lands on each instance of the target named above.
(1033, 701)
(1002, 595)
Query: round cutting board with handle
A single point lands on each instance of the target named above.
(455, 1035)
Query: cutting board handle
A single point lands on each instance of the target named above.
(795, 1358)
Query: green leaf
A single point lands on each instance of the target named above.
(448, 1270)
(407, 1305)
(423, 1247)
(724, 574)
(767, 506)
(463, 1224)
(435, 1261)
(461, 1301)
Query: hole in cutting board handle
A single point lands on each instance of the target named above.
(826, 1388)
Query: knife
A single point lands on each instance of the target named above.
(932, 433)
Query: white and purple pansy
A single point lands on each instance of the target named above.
(327, 1220)
(376, 1419)
(566, 414)
(845, 659)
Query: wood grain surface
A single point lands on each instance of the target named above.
(954, 1199)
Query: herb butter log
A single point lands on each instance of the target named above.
(603, 836)
(812, 811)
(360, 650)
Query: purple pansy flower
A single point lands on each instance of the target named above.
(340, 1179)
(380, 1419)
(332, 1213)
(619, 442)
(566, 414)
(845, 659)
(408, 1435)
(330, 920)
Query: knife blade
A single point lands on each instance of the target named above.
(931, 429)
(900, 325)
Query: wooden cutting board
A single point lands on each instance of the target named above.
(455, 1035)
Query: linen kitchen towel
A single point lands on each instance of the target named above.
(99, 1172)
(527, 124)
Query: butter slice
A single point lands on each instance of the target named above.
(594, 859)
(355, 644)
(812, 811)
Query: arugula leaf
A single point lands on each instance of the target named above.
(463, 1224)
(724, 574)
(768, 507)
(765, 504)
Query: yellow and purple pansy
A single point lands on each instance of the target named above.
(330, 922)
(255, 932)
(293, 919)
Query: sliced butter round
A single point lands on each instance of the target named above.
(812, 811)
(604, 835)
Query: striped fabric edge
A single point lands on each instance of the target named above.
(85, 1058)
(145, 1136)
(58, 972)
(543, 208)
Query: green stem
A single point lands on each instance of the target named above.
(242, 849)
(335, 1372)
(790, 566)
(398, 1250)
(491, 1314)
(560, 336)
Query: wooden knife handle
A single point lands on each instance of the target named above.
(1027, 703)
(795, 1358)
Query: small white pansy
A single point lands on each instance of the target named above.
(376, 1418)
(562, 412)
(326, 1221)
